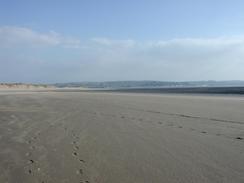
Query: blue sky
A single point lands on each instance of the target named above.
(87, 40)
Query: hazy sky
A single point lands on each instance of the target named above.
(97, 40)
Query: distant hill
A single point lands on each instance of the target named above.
(150, 84)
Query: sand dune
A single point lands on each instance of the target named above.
(21, 86)
(61, 137)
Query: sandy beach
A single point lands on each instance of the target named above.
(85, 137)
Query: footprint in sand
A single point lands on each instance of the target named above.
(239, 138)
(75, 153)
(31, 161)
(80, 171)
(81, 160)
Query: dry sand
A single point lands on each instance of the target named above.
(73, 137)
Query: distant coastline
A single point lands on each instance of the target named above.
(157, 87)
(150, 84)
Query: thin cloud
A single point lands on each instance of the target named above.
(128, 43)
(12, 36)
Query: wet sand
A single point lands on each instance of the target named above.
(73, 137)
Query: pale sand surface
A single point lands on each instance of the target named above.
(56, 137)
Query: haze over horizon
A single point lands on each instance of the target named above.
(64, 41)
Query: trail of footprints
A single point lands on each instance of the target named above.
(199, 131)
(80, 171)
(161, 123)
(32, 165)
